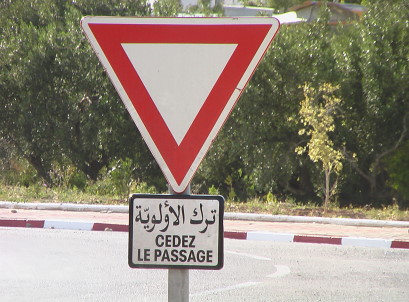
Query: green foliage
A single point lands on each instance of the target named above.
(63, 124)
(372, 57)
(120, 180)
(398, 168)
(57, 103)
(120, 174)
(258, 139)
(67, 176)
(270, 198)
(77, 180)
(213, 190)
(167, 8)
(258, 3)
(117, 183)
(283, 5)
(203, 7)
(13, 169)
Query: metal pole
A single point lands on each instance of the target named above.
(178, 285)
(178, 279)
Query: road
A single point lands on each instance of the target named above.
(65, 265)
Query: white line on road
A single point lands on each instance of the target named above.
(219, 290)
(282, 270)
(248, 255)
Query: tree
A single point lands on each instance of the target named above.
(57, 103)
(204, 7)
(167, 8)
(258, 140)
(317, 116)
(372, 57)
(58, 107)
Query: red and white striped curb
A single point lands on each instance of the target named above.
(347, 241)
(253, 235)
(63, 224)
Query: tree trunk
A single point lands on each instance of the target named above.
(327, 193)
(37, 163)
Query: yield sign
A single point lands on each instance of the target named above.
(179, 78)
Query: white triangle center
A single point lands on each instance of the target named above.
(179, 77)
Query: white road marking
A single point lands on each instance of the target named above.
(282, 270)
(223, 289)
(248, 255)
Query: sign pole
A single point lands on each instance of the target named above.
(178, 279)
(178, 285)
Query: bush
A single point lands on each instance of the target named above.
(398, 168)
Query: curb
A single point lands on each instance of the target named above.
(64, 207)
(229, 216)
(324, 220)
(63, 225)
(346, 241)
(254, 236)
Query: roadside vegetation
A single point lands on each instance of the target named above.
(106, 193)
(323, 125)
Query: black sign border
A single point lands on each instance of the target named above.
(220, 261)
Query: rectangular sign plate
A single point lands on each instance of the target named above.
(176, 231)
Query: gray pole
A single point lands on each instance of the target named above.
(178, 279)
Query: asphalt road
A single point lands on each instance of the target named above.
(64, 265)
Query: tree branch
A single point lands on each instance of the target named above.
(398, 143)
(352, 161)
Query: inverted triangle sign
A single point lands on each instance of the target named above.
(179, 78)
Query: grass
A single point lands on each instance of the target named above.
(57, 195)
(282, 208)
(94, 195)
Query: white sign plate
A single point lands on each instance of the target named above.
(176, 231)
